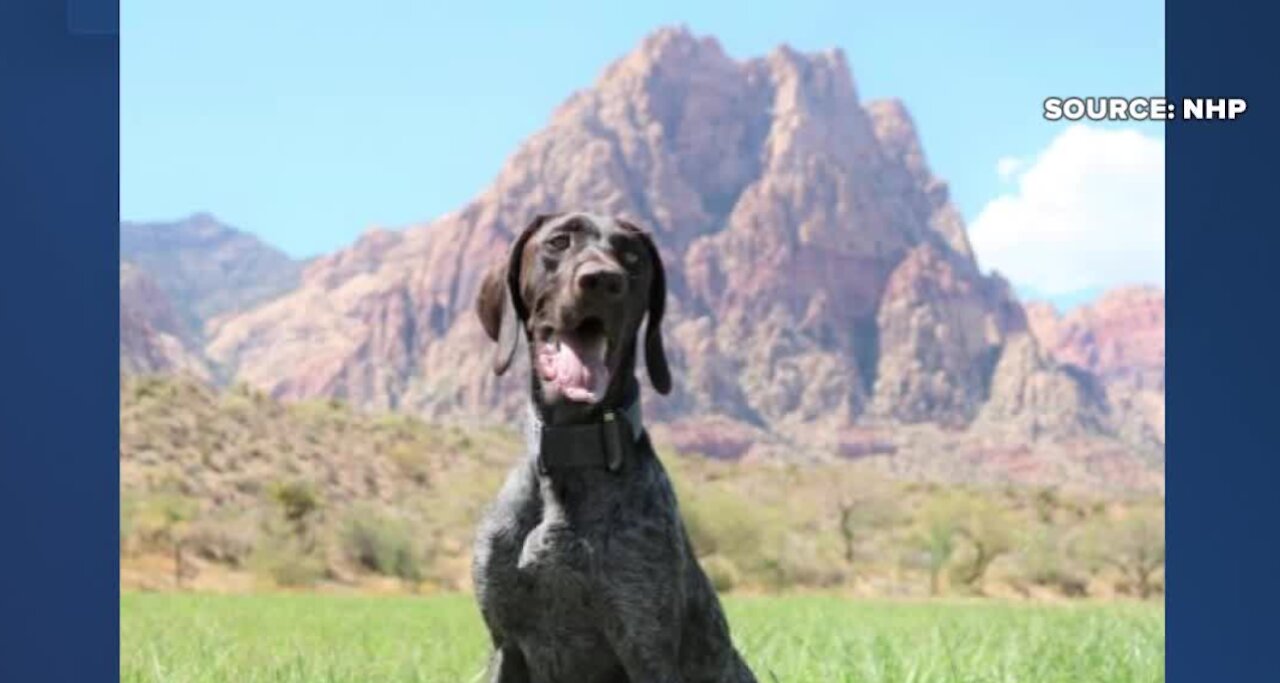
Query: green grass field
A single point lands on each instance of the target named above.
(181, 638)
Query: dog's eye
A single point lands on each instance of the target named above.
(630, 258)
(559, 242)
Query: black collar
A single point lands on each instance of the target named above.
(604, 443)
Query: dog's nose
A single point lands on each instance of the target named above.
(598, 279)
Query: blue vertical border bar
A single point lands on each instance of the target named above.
(59, 396)
(1223, 388)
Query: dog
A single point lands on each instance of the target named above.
(583, 570)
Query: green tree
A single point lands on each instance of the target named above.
(382, 543)
(988, 532)
(1045, 558)
(299, 505)
(862, 504)
(171, 517)
(936, 539)
(1133, 545)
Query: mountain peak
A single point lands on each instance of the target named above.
(201, 218)
(819, 275)
(671, 53)
(205, 266)
(673, 39)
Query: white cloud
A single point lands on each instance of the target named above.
(1006, 167)
(1088, 212)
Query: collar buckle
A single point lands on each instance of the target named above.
(613, 441)
(604, 443)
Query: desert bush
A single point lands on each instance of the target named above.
(288, 563)
(299, 505)
(160, 522)
(288, 548)
(1134, 545)
(753, 537)
(934, 540)
(722, 572)
(1046, 502)
(722, 523)
(987, 532)
(797, 561)
(227, 541)
(413, 460)
(1045, 558)
(863, 505)
(284, 472)
(380, 543)
(160, 519)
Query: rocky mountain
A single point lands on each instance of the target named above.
(1119, 339)
(819, 271)
(822, 287)
(151, 337)
(205, 269)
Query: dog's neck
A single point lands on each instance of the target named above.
(595, 440)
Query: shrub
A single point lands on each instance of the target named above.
(1046, 502)
(988, 533)
(722, 523)
(935, 539)
(288, 564)
(298, 501)
(863, 505)
(1045, 559)
(159, 522)
(722, 572)
(380, 544)
(413, 461)
(229, 542)
(1134, 546)
(798, 561)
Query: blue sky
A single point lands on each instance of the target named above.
(307, 123)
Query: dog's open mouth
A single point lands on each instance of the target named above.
(573, 362)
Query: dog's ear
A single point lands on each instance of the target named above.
(498, 316)
(491, 303)
(500, 306)
(655, 356)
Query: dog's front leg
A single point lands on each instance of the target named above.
(641, 621)
(508, 666)
(648, 654)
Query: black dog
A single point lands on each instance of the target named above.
(583, 569)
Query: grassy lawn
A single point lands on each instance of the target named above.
(184, 638)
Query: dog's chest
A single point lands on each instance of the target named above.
(551, 579)
(550, 607)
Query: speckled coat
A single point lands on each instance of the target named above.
(587, 576)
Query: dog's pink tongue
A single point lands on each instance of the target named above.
(579, 369)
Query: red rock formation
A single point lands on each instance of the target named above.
(1120, 339)
(150, 330)
(819, 273)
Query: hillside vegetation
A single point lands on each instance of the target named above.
(231, 490)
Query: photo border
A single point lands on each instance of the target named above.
(59, 202)
(1222, 469)
(59, 305)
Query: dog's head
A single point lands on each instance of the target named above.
(578, 286)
